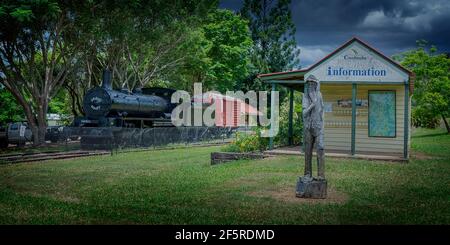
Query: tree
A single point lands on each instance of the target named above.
(195, 66)
(11, 111)
(216, 55)
(34, 60)
(230, 43)
(49, 44)
(273, 34)
(432, 86)
(143, 41)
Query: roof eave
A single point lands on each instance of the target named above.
(289, 75)
(282, 75)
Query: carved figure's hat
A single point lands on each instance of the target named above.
(312, 78)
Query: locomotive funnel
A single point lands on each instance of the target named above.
(106, 83)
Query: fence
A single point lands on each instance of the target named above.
(117, 139)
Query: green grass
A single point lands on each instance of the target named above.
(180, 187)
(434, 142)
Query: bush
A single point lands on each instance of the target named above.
(421, 117)
(282, 137)
(247, 143)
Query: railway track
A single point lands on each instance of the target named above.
(53, 155)
(34, 157)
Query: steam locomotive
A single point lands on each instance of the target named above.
(112, 118)
(109, 112)
(105, 107)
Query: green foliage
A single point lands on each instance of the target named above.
(421, 117)
(10, 110)
(26, 12)
(432, 86)
(34, 57)
(58, 104)
(273, 34)
(216, 53)
(230, 43)
(22, 15)
(61, 105)
(142, 41)
(245, 142)
(282, 137)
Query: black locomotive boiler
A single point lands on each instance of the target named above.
(105, 107)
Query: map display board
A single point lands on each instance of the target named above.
(382, 114)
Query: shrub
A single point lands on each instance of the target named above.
(247, 142)
(421, 117)
(282, 137)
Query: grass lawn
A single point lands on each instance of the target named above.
(180, 187)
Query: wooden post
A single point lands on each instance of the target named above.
(291, 112)
(305, 92)
(272, 106)
(353, 149)
(406, 123)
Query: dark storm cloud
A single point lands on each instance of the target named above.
(390, 26)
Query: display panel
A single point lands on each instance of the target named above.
(382, 122)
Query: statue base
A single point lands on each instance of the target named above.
(311, 188)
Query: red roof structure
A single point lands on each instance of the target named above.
(229, 111)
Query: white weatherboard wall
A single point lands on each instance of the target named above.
(338, 121)
(356, 63)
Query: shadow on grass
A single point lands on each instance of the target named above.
(429, 135)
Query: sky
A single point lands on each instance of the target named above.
(387, 25)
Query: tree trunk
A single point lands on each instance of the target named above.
(38, 134)
(446, 124)
(42, 131)
(42, 121)
(73, 107)
(37, 123)
(35, 132)
(29, 114)
(38, 128)
(73, 101)
(33, 126)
